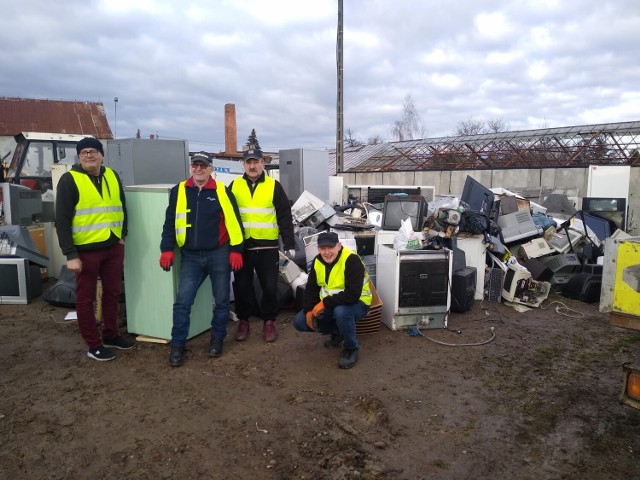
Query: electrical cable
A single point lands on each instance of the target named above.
(493, 336)
(562, 309)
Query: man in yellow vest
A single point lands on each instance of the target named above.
(337, 295)
(91, 223)
(266, 214)
(203, 220)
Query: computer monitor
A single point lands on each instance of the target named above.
(15, 281)
(477, 196)
(613, 209)
(402, 207)
(20, 204)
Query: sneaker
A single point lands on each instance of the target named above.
(176, 357)
(335, 341)
(242, 333)
(119, 342)
(269, 331)
(100, 354)
(348, 358)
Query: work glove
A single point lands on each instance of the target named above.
(166, 260)
(290, 253)
(311, 321)
(235, 260)
(318, 309)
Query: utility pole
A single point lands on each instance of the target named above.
(115, 122)
(340, 98)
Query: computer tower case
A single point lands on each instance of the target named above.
(463, 289)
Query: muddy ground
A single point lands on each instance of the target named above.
(539, 401)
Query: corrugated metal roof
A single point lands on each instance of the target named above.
(55, 116)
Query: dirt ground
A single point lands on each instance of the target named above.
(539, 401)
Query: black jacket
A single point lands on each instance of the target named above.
(353, 279)
(67, 197)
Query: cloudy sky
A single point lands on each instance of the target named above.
(174, 64)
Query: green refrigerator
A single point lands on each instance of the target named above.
(149, 290)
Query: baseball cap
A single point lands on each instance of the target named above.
(254, 153)
(327, 239)
(203, 157)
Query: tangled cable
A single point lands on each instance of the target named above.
(562, 309)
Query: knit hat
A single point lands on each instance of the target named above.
(89, 142)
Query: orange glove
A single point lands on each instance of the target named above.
(235, 259)
(166, 260)
(318, 309)
(311, 321)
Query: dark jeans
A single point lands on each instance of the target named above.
(266, 265)
(106, 263)
(341, 319)
(195, 267)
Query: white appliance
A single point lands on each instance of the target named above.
(518, 225)
(414, 286)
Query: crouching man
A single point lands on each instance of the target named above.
(336, 297)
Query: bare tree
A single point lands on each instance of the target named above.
(377, 140)
(410, 126)
(476, 127)
(350, 140)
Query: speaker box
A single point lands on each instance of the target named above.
(463, 289)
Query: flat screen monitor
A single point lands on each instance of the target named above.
(20, 205)
(613, 209)
(477, 196)
(402, 207)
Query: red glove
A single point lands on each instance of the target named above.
(235, 259)
(311, 321)
(166, 260)
(317, 310)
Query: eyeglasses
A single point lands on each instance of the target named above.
(199, 165)
(87, 153)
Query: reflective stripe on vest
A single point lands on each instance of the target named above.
(336, 278)
(95, 216)
(230, 219)
(257, 212)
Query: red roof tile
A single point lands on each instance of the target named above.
(53, 116)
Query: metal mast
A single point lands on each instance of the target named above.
(340, 99)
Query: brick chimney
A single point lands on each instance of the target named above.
(230, 132)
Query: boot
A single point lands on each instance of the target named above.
(242, 333)
(215, 347)
(269, 331)
(176, 357)
(348, 358)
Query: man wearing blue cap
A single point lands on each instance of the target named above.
(337, 295)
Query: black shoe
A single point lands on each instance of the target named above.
(119, 342)
(348, 358)
(215, 347)
(335, 341)
(100, 354)
(176, 357)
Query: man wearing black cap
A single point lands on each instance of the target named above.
(336, 297)
(203, 220)
(91, 222)
(266, 214)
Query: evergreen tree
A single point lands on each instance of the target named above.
(252, 141)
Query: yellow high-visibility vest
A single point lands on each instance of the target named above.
(97, 216)
(336, 280)
(257, 212)
(230, 220)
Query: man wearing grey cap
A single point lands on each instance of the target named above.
(337, 295)
(266, 215)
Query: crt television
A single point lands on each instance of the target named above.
(20, 204)
(477, 196)
(402, 207)
(16, 284)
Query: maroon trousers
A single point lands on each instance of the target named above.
(107, 264)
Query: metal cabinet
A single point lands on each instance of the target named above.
(150, 291)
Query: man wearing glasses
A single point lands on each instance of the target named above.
(203, 220)
(91, 222)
